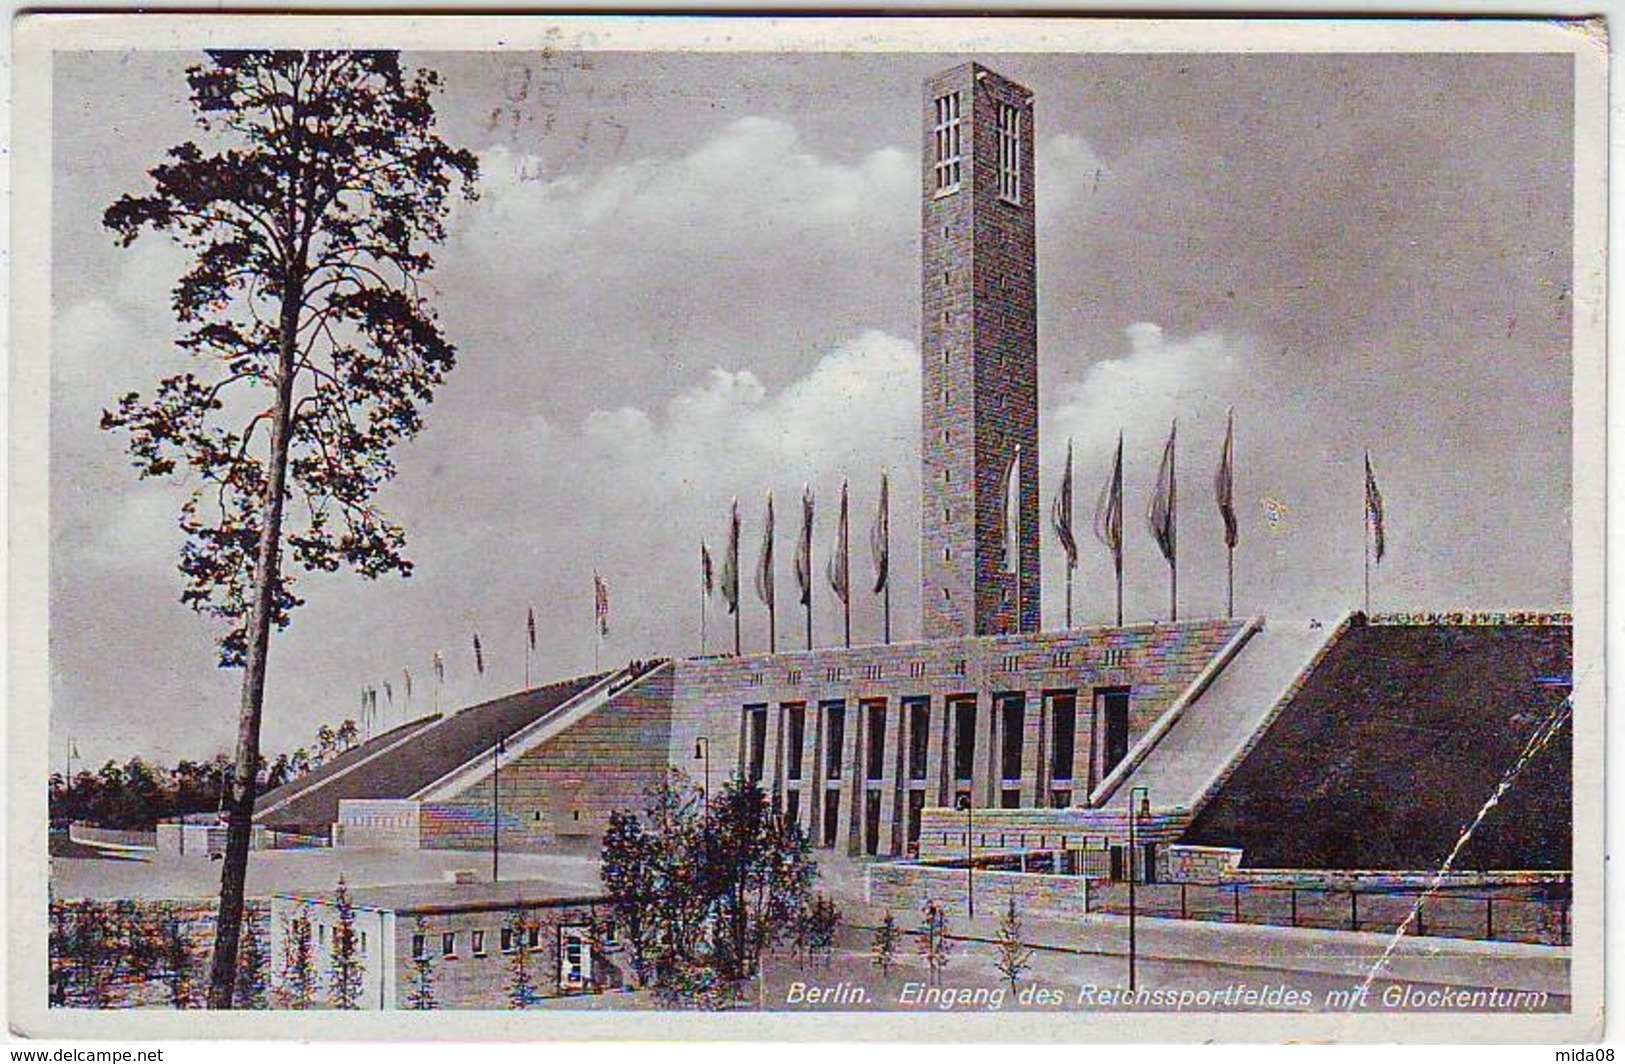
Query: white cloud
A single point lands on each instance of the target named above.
(1067, 169)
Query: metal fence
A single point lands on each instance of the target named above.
(1514, 914)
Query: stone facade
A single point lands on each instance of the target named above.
(567, 787)
(979, 351)
(869, 796)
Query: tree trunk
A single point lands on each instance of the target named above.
(267, 567)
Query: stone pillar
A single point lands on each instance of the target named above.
(995, 735)
(773, 755)
(892, 805)
(982, 782)
(1085, 747)
(813, 775)
(1034, 715)
(850, 838)
(938, 754)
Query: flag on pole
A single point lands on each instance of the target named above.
(1224, 482)
(479, 655)
(439, 667)
(730, 561)
(839, 578)
(1060, 514)
(389, 694)
(406, 675)
(880, 536)
(804, 547)
(764, 564)
(600, 602)
(707, 576)
(530, 626)
(73, 749)
(1011, 525)
(1109, 509)
(1163, 517)
(1373, 509)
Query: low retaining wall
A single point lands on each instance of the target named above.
(942, 831)
(112, 837)
(200, 839)
(377, 824)
(1515, 908)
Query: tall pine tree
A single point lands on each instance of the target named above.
(307, 210)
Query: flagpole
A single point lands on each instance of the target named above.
(496, 808)
(1173, 528)
(846, 566)
(1365, 541)
(885, 601)
(702, 622)
(1230, 583)
(886, 611)
(1117, 555)
(1069, 597)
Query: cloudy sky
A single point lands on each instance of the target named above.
(691, 277)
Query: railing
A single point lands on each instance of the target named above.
(1072, 885)
(1511, 915)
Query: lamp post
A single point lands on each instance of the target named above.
(702, 750)
(496, 807)
(967, 805)
(1139, 803)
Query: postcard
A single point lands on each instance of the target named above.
(930, 529)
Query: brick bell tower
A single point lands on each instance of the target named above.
(979, 347)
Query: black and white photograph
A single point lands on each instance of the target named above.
(1040, 529)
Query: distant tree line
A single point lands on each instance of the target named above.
(139, 793)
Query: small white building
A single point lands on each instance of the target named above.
(465, 941)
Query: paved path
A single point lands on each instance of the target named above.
(272, 871)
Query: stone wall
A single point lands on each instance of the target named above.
(1153, 663)
(942, 834)
(567, 787)
(377, 824)
(904, 888)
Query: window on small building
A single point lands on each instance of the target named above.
(478, 948)
(507, 940)
(533, 937)
(448, 944)
(945, 139)
(1009, 153)
(419, 947)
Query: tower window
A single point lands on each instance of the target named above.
(1009, 153)
(945, 143)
